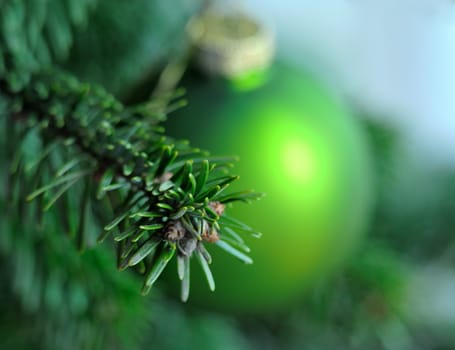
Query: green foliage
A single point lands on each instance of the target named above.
(194, 330)
(416, 207)
(35, 34)
(126, 41)
(78, 165)
(163, 196)
(52, 296)
(58, 297)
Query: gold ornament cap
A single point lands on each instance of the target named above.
(231, 44)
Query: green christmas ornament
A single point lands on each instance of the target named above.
(298, 144)
(304, 151)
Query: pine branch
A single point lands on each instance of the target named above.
(76, 160)
(167, 198)
(36, 34)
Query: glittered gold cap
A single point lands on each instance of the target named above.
(231, 44)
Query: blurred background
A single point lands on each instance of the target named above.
(391, 57)
(351, 135)
(341, 112)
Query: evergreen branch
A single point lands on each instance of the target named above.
(164, 202)
(35, 34)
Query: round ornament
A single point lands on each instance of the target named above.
(300, 146)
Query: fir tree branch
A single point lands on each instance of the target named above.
(167, 198)
(36, 34)
(76, 160)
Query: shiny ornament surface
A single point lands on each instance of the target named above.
(297, 143)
